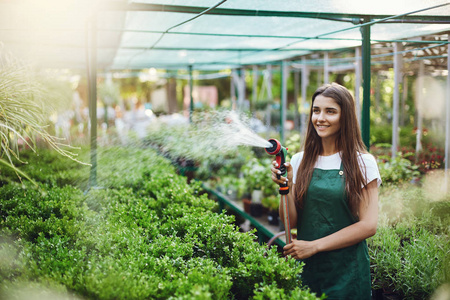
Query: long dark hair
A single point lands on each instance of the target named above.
(348, 142)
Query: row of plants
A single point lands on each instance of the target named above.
(410, 254)
(143, 233)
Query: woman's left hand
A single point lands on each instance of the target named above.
(299, 249)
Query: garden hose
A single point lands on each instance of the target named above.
(280, 153)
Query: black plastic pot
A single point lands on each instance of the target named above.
(273, 217)
(256, 210)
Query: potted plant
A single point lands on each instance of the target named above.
(255, 174)
(272, 202)
(243, 193)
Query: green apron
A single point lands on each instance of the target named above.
(342, 273)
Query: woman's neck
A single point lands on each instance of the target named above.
(329, 147)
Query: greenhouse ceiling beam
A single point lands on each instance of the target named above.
(366, 22)
(221, 49)
(352, 18)
(222, 35)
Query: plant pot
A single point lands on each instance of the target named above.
(256, 209)
(232, 194)
(247, 203)
(257, 196)
(273, 217)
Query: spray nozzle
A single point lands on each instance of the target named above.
(280, 152)
(275, 148)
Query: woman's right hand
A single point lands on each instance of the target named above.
(282, 179)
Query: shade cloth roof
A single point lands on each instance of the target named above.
(207, 34)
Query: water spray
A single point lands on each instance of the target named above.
(280, 153)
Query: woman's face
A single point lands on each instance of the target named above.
(326, 117)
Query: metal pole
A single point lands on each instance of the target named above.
(404, 97)
(358, 68)
(447, 119)
(326, 69)
(232, 91)
(419, 103)
(269, 82)
(304, 102)
(241, 88)
(296, 91)
(92, 79)
(191, 97)
(283, 103)
(396, 100)
(365, 122)
(255, 87)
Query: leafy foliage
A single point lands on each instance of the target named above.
(397, 170)
(149, 234)
(410, 254)
(410, 261)
(25, 102)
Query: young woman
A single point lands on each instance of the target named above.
(333, 199)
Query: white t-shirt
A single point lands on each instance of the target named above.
(333, 162)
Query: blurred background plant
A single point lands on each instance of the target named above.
(27, 99)
(109, 95)
(397, 170)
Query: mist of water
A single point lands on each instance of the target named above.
(212, 134)
(235, 131)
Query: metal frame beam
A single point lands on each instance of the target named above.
(283, 104)
(396, 98)
(366, 73)
(191, 97)
(447, 122)
(273, 13)
(91, 60)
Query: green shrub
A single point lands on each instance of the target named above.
(31, 212)
(397, 170)
(49, 167)
(408, 260)
(272, 292)
(146, 234)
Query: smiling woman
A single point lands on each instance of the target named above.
(335, 196)
(325, 118)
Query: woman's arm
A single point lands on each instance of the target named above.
(348, 236)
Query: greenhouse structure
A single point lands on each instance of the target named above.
(253, 45)
(335, 36)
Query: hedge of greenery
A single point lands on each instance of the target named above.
(146, 234)
(410, 254)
